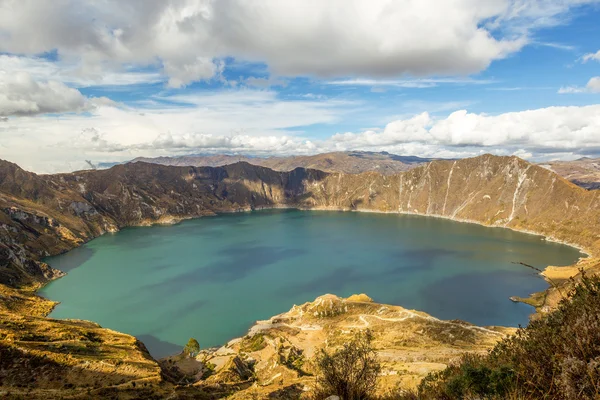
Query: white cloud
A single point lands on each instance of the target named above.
(558, 128)
(20, 94)
(242, 120)
(294, 37)
(523, 154)
(257, 122)
(593, 86)
(71, 73)
(182, 73)
(558, 46)
(409, 83)
(591, 56)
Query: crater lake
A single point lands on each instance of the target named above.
(212, 278)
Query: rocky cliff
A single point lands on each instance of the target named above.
(489, 190)
(280, 350)
(41, 215)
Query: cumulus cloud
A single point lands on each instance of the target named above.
(182, 73)
(258, 123)
(71, 73)
(295, 37)
(533, 132)
(236, 143)
(593, 86)
(20, 94)
(591, 57)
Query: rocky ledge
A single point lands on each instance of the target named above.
(279, 351)
(43, 215)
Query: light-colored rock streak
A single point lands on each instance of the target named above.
(410, 314)
(400, 192)
(521, 179)
(448, 188)
(592, 201)
(464, 204)
(429, 194)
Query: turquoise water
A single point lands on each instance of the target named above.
(211, 278)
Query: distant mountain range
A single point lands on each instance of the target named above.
(43, 215)
(49, 214)
(348, 162)
(584, 172)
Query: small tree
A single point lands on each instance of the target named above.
(192, 348)
(350, 372)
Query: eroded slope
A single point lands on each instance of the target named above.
(278, 352)
(42, 215)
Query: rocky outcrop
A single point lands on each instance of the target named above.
(489, 190)
(409, 343)
(42, 215)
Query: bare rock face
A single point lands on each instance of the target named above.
(410, 343)
(42, 215)
(58, 212)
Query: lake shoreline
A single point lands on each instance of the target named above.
(325, 209)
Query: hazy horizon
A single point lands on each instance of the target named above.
(99, 81)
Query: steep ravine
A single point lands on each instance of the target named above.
(42, 215)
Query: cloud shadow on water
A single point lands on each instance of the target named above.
(480, 298)
(186, 309)
(417, 261)
(72, 259)
(159, 348)
(238, 261)
(412, 261)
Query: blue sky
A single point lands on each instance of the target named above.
(106, 83)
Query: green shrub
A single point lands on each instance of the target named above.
(554, 357)
(192, 348)
(350, 372)
(209, 369)
(254, 343)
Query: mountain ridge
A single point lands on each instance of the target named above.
(42, 215)
(584, 172)
(350, 162)
(68, 209)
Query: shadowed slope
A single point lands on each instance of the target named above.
(348, 162)
(43, 215)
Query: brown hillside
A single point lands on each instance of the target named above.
(42, 215)
(348, 162)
